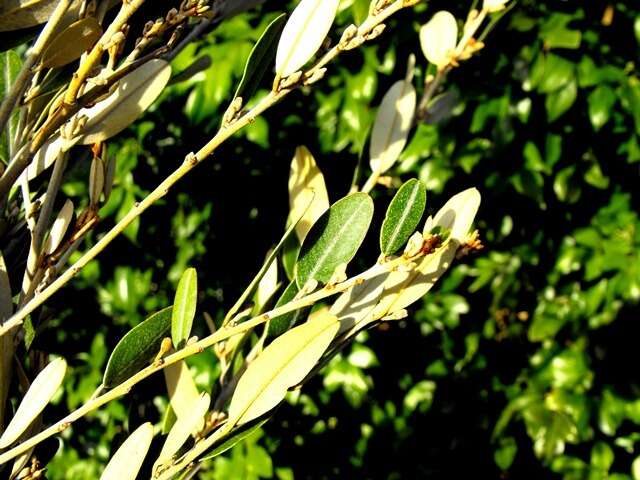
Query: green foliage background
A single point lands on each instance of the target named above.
(518, 365)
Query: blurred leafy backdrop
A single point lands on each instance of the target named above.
(520, 365)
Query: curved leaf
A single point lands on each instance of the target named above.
(126, 462)
(438, 38)
(25, 13)
(403, 216)
(183, 428)
(37, 397)
(71, 43)
(283, 364)
(181, 388)
(308, 197)
(59, 228)
(457, 215)
(135, 93)
(392, 125)
(260, 58)
(304, 33)
(334, 239)
(137, 348)
(184, 307)
(235, 437)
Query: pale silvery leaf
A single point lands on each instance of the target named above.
(392, 125)
(457, 214)
(438, 38)
(494, 5)
(304, 33)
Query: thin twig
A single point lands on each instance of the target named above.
(33, 54)
(189, 163)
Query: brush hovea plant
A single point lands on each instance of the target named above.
(87, 76)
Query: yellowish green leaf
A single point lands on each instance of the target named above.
(59, 228)
(135, 93)
(304, 34)
(184, 307)
(457, 215)
(182, 390)
(126, 462)
(71, 43)
(308, 197)
(37, 397)
(267, 287)
(19, 14)
(283, 364)
(438, 38)
(183, 428)
(392, 124)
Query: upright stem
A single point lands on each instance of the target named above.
(33, 54)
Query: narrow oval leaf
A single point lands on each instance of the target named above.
(10, 65)
(137, 348)
(392, 124)
(260, 58)
(183, 428)
(267, 287)
(126, 462)
(403, 216)
(280, 324)
(232, 439)
(71, 43)
(283, 364)
(438, 38)
(45, 156)
(308, 197)
(59, 228)
(457, 215)
(135, 93)
(334, 239)
(37, 397)
(183, 392)
(96, 180)
(184, 307)
(304, 33)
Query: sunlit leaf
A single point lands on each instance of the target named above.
(235, 437)
(126, 462)
(304, 33)
(181, 387)
(438, 38)
(403, 216)
(38, 396)
(392, 124)
(25, 13)
(283, 364)
(308, 198)
(59, 228)
(267, 287)
(334, 239)
(137, 348)
(135, 93)
(184, 307)
(183, 428)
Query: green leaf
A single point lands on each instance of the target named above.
(280, 324)
(71, 43)
(557, 103)
(137, 348)
(282, 365)
(403, 216)
(184, 307)
(260, 58)
(235, 437)
(10, 65)
(601, 102)
(334, 239)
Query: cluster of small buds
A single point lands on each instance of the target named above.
(472, 244)
(31, 472)
(377, 6)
